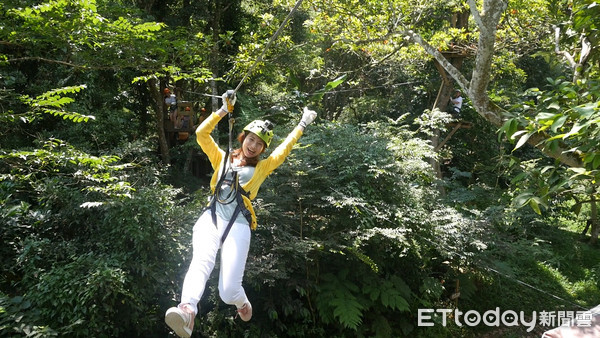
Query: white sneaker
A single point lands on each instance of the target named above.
(245, 312)
(181, 320)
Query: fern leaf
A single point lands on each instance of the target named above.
(393, 299)
(382, 327)
(348, 311)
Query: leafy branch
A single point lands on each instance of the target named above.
(52, 102)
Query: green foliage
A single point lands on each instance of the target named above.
(549, 258)
(580, 23)
(337, 300)
(16, 317)
(353, 237)
(52, 102)
(337, 224)
(328, 87)
(79, 28)
(566, 113)
(431, 121)
(346, 299)
(91, 251)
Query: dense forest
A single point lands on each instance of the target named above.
(389, 204)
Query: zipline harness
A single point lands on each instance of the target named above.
(237, 191)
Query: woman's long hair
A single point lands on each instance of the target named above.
(239, 154)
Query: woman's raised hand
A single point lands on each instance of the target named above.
(228, 101)
(308, 117)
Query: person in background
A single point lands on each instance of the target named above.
(184, 121)
(171, 102)
(456, 103)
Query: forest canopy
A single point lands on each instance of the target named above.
(389, 203)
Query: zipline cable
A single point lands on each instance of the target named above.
(332, 92)
(260, 57)
(230, 95)
(264, 51)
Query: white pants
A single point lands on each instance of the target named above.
(206, 242)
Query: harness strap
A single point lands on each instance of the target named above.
(239, 191)
(213, 200)
(240, 207)
(230, 224)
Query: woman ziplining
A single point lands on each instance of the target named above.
(227, 221)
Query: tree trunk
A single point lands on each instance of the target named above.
(476, 89)
(435, 139)
(458, 20)
(160, 120)
(187, 166)
(584, 54)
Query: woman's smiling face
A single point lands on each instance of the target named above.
(253, 145)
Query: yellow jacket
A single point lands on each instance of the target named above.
(263, 169)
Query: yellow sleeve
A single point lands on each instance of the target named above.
(282, 151)
(207, 143)
(265, 167)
